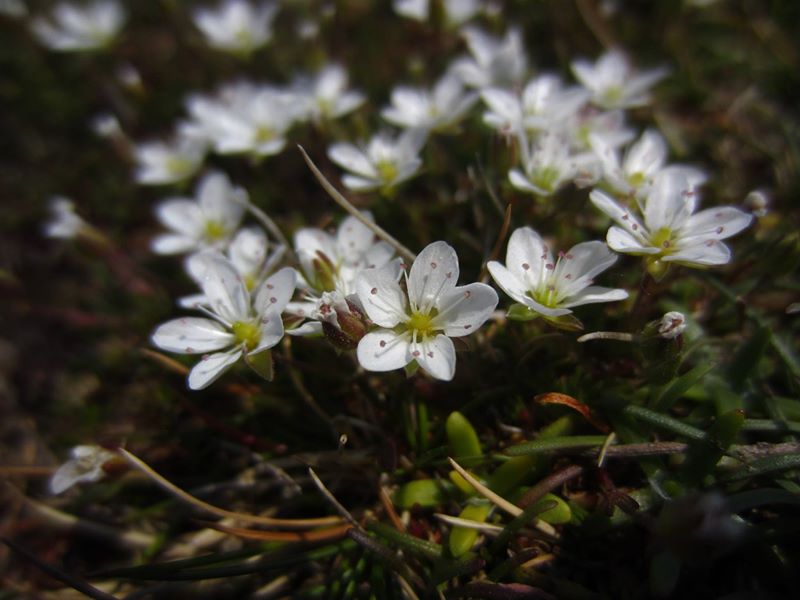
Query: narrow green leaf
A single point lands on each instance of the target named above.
(554, 444)
(664, 422)
(761, 497)
(668, 395)
(462, 436)
(462, 539)
(406, 542)
(704, 454)
(765, 466)
(748, 357)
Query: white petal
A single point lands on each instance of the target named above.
(437, 356)
(182, 216)
(710, 253)
(623, 241)
(220, 201)
(360, 184)
(172, 244)
(192, 335)
(353, 239)
(526, 256)
(647, 155)
(434, 272)
(544, 310)
(507, 281)
(521, 182)
(275, 293)
(192, 301)
(211, 367)
(383, 350)
(577, 267)
(307, 328)
(594, 294)
(248, 250)
(715, 223)
(353, 159)
(223, 286)
(670, 201)
(271, 332)
(618, 214)
(308, 242)
(465, 308)
(381, 296)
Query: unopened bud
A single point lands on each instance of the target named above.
(343, 321)
(758, 202)
(672, 325)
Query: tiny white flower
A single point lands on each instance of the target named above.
(672, 232)
(65, 222)
(86, 464)
(417, 324)
(758, 202)
(206, 221)
(245, 118)
(614, 83)
(549, 164)
(74, 27)
(643, 161)
(236, 26)
(672, 325)
(245, 326)
(327, 93)
(383, 162)
(493, 62)
(437, 109)
(160, 163)
(545, 105)
(456, 12)
(249, 252)
(551, 287)
(106, 125)
(590, 121)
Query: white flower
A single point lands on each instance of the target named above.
(65, 222)
(245, 118)
(72, 27)
(643, 161)
(206, 221)
(160, 162)
(417, 325)
(608, 125)
(545, 105)
(106, 125)
(436, 110)
(551, 287)
(327, 94)
(672, 232)
(236, 25)
(494, 62)
(614, 83)
(456, 12)
(383, 162)
(86, 464)
(549, 164)
(249, 254)
(246, 327)
(672, 325)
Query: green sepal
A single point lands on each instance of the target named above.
(520, 312)
(568, 322)
(261, 363)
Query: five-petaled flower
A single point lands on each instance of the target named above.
(550, 287)
(672, 232)
(245, 326)
(417, 324)
(75, 28)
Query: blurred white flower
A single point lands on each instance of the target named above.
(456, 12)
(610, 126)
(64, 222)
(551, 287)
(437, 110)
(169, 162)
(493, 62)
(614, 83)
(13, 8)
(106, 125)
(758, 202)
(244, 118)
(75, 27)
(548, 164)
(327, 94)
(545, 105)
(383, 162)
(672, 232)
(236, 26)
(672, 325)
(250, 254)
(417, 324)
(245, 326)
(206, 221)
(86, 464)
(643, 161)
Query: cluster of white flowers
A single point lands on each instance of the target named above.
(348, 285)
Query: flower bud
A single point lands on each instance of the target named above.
(672, 325)
(343, 322)
(758, 202)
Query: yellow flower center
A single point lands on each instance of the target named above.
(247, 333)
(637, 179)
(421, 323)
(264, 134)
(386, 170)
(214, 231)
(662, 239)
(546, 296)
(178, 166)
(545, 178)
